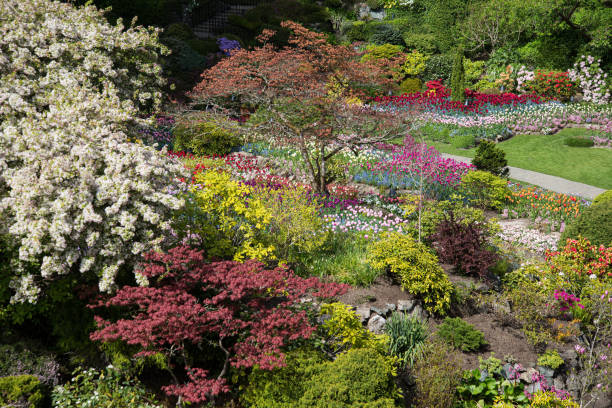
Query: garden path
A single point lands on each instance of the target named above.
(553, 183)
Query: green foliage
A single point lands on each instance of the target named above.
(551, 358)
(386, 34)
(438, 67)
(358, 378)
(480, 390)
(415, 63)
(549, 399)
(205, 135)
(578, 142)
(284, 386)
(547, 53)
(343, 330)
(486, 86)
(295, 228)
(416, 267)
(463, 141)
(343, 258)
(23, 391)
(474, 70)
(410, 85)
(461, 334)
(594, 223)
(491, 158)
(492, 365)
(108, 388)
(179, 30)
(603, 197)
(407, 337)
(357, 31)
(384, 51)
(484, 190)
(437, 376)
(458, 77)
(435, 211)
(423, 42)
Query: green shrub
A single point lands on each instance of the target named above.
(603, 197)
(437, 376)
(438, 67)
(594, 223)
(578, 142)
(407, 337)
(486, 86)
(108, 388)
(410, 85)
(423, 42)
(343, 330)
(282, 387)
(463, 141)
(203, 46)
(22, 391)
(460, 334)
(181, 31)
(357, 31)
(473, 71)
(416, 267)
(359, 378)
(384, 51)
(491, 365)
(386, 34)
(551, 358)
(484, 190)
(415, 62)
(204, 135)
(458, 77)
(491, 158)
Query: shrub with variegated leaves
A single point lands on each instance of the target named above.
(75, 194)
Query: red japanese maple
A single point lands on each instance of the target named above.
(305, 94)
(249, 312)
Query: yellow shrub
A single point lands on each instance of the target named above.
(548, 399)
(417, 268)
(232, 227)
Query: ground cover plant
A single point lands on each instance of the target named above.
(259, 242)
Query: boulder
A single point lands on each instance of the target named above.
(363, 312)
(405, 305)
(376, 324)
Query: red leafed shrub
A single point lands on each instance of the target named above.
(250, 313)
(464, 244)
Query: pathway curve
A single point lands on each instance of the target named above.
(553, 183)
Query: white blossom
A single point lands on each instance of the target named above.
(74, 192)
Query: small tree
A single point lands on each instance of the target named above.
(244, 311)
(491, 158)
(458, 77)
(308, 95)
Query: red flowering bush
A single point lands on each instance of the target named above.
(580, 258)
(551, 85)
(248, 312)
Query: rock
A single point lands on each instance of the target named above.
(383, 310)
(419, 312)
(547, 372)
(363, 312)
(391, 307)
(405, 305)
(533, 388)
(558, 383)
(528, 374)
(376, 324)
(570, 358)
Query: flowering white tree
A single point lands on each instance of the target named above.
(75, 194)
(589, 76)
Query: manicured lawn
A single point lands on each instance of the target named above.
(547, 154)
